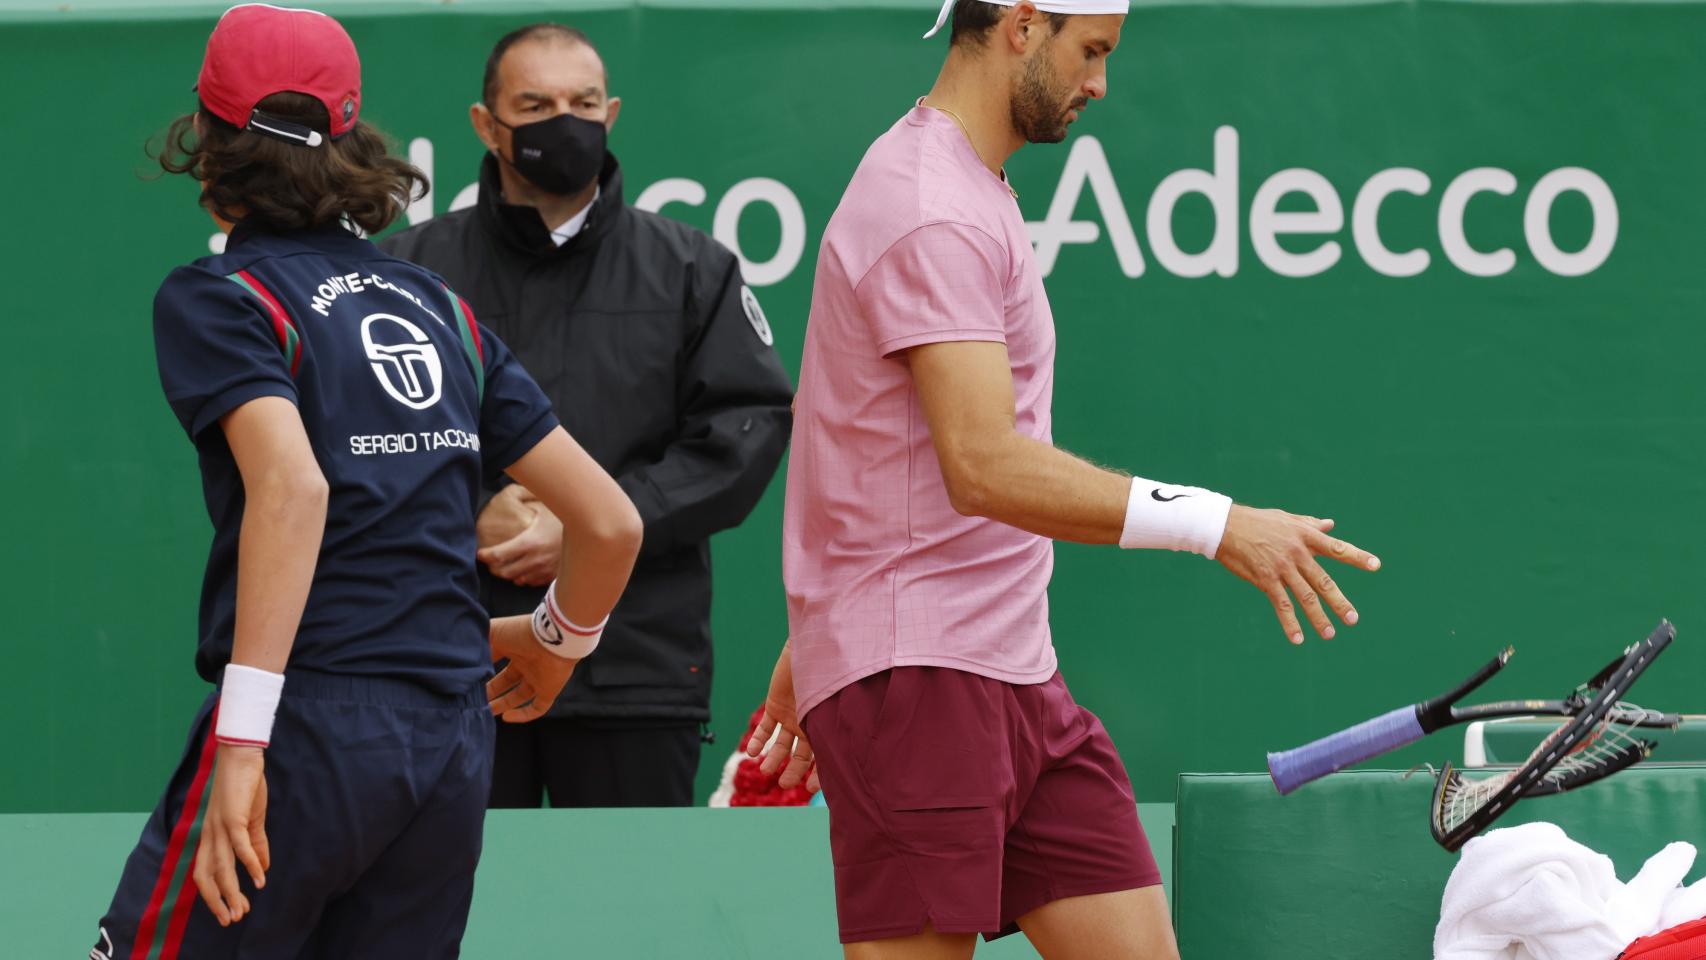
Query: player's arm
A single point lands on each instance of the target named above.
(601, 528)
(520, 436)
(601, 538)
(991, 470)
(284, 516)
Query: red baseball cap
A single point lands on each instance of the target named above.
(257, 50)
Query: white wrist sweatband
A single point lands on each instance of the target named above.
(560, 635)
(1160, 516)
(248, 699)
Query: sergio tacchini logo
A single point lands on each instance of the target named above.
(404, 359)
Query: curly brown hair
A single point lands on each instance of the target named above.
(251, 177)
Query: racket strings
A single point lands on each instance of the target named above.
(1631, 714)
(1606, 749)
(1599, 751)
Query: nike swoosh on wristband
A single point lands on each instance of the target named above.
(1156, 493)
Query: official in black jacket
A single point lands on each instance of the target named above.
(659, 361)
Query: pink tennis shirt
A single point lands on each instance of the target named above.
(927, 246)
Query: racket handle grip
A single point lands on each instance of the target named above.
(1371, 738)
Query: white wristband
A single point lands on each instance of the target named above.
(1165, 517)
(248, 700)
(560, 635)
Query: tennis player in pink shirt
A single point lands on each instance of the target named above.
(967, 792)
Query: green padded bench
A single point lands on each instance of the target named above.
(693, 884)
(1346, 868)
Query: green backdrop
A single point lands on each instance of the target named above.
(1524, 450)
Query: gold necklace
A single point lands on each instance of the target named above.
(967, 131)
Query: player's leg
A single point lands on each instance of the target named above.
(413, 897)
(1077, 856)
(517, 778)
(916, 770)
(594, 763)
(1132, 924)
(929, 945)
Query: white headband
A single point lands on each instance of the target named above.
(1046, 6)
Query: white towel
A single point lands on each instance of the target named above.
(1532, 893)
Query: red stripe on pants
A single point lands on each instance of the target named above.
(174, 849)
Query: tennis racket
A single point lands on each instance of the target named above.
(1291, 769)
(1596, 743)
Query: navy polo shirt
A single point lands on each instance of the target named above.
(410, 406)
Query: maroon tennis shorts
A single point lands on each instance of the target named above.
(967, 802)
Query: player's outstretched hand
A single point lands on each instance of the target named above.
(527, 686)
(1276, 552)
(233, 830)
(791, 747)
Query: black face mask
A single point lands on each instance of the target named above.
(560, 155)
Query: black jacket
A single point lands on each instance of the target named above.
(658, 361)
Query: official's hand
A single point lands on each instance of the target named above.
(531, 557)
(791, 747)
(1276, 552)
(527, 686)
(506, 515)
(233, 830)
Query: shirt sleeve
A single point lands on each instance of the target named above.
(515, 415)
(217, 348)
(939, 283)
(732, 416)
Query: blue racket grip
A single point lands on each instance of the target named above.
(1312, 761)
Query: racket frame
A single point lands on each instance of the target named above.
(1612, 682)
(1293, 768)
